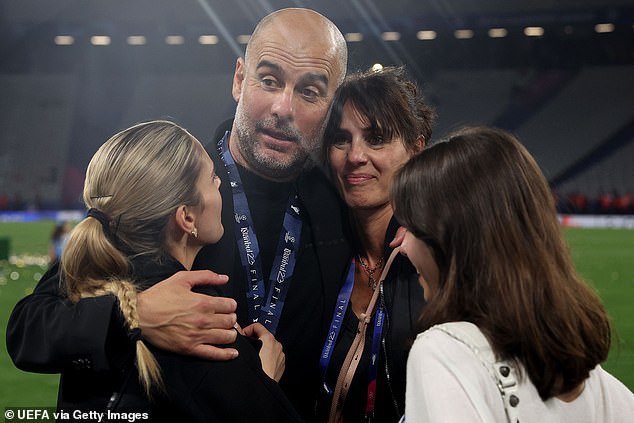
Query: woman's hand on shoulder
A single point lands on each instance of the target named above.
(271, 354)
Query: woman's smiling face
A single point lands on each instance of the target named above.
(363, 162)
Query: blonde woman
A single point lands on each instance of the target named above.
(153, 203)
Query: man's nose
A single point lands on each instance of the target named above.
(283, 104)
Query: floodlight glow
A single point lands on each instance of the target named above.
(533, 31)
(64, 40)
(208, 39)
(244, 39)
(426, 35)
(391, 36)
(136, 40)
(498, 32)
(353, 37)
(100, 40)
(174, 40)
(604, 28)
(463, 34)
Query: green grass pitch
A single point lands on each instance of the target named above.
(603, 256)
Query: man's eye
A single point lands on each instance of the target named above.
(310, 93)
(269, 82)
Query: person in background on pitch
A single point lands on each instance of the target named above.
(58, 241)
(483, 235)
(153, 202)
(378, 120)
(283, 87)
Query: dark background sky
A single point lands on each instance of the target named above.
(58, 103)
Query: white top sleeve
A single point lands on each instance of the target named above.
(446, 382)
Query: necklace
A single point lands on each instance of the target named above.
(371, 271)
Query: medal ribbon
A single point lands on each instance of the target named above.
(268, 313)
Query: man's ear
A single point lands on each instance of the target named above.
(185, 219)
(238, 79)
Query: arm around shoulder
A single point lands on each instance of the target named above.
(174, 318)
(47, 333)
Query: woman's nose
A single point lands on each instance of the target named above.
(357, 152)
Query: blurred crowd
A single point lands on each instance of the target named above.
(608, 202)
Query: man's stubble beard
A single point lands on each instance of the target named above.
(305, 158)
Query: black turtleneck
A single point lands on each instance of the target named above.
(272, 196)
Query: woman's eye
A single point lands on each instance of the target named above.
(376, 140)
(340, 141)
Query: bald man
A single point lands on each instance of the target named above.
(283, 248)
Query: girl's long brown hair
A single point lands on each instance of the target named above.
(482, 204)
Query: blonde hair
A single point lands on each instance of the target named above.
(136, 181)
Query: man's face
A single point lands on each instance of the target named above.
(283, 92)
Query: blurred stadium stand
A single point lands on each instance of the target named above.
(568, 94)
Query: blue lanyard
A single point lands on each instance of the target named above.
(343, 300)
(335, 325)
(267, 313)
(379, 319)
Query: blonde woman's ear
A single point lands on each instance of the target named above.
(185, 220)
